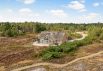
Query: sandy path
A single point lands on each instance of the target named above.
(82, 34)
(57, 65)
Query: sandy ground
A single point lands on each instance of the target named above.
(58, 65)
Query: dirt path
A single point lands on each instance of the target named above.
(57, 65)
(82, 34)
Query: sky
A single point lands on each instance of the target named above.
(51, 11)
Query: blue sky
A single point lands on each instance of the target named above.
(78, 11)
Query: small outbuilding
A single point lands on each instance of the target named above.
(47, 38)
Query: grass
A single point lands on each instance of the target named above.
(74, 35)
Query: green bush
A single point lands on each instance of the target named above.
(51, 55)
(101, 36)
(54, 49)
(51, 52)
(74, 35)
(39, 28)
(11, 30)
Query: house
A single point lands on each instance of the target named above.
(51, 38)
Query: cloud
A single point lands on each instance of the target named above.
(24, 14)
(58, 13)
(82, 1)
(27, 1)
(25, 11)
(55, 15)
(76, 5)
(9, 10)
(92, 16)
(96, 4)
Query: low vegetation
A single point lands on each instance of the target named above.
(95, 34)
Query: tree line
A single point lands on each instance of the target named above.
(16, 29)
